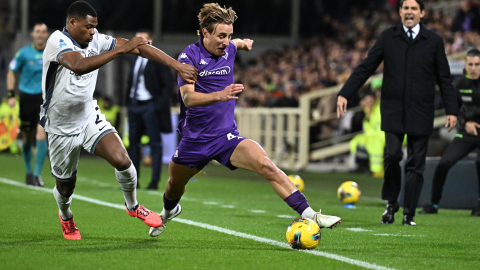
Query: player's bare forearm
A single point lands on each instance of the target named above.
(10, 80)
(155, 54)
(195, 99)
(83, 65)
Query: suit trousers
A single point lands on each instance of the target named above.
(142, 118)
(414, 167)
(461, 146)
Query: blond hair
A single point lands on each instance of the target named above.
(213, 14)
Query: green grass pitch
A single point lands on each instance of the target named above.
(239, 201)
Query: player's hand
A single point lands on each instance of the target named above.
(248, 44)
(230, 91)
(133, 43)
(451, 122)
(341, 106)
(12, 101)
(187, 72)
(471, 127)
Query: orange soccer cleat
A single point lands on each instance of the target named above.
(150, 218)
(69, 229)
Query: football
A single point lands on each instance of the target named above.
(349, 192)
(297, 181)
(303, 233)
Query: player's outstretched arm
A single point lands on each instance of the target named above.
(187, 72)
(195, 99)
(83, 65)
(243, 44)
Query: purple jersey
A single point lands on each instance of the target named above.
(214, 74)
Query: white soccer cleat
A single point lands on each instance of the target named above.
(325, 221)
(156, 231)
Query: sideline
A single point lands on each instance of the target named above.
(213, 228)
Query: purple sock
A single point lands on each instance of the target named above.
(297, 201)
(169, 204)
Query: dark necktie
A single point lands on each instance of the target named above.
(140, 71)
(410, 36)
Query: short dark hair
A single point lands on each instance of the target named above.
(39, 23)
(80, 9)
(473, 52)
(421, 3)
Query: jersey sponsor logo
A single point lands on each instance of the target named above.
(81, 77)
(202, 62)
(231, 136)
(62, 43)
(215, 72)
(57, 170)
(183, 56)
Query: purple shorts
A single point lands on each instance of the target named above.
(196, 153)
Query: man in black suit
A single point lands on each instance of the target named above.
(149, 91)
(414, 59)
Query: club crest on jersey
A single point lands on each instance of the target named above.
(215, 72)
(62, 43)
(91, 52)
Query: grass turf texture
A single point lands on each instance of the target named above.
(31, 237)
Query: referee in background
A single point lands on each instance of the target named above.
(28, 62)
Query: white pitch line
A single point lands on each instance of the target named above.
(215, 228)
(357, 230)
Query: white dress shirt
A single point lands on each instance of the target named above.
(415, 30)
(142, 92)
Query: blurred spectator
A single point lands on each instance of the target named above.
(467, 18)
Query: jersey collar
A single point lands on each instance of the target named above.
(64, 31)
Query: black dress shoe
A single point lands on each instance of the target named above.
(152, 186)
(429, 209)
(388, 216)
(408, 220)
(476, 211)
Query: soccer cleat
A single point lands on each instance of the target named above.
(429, 209)
(325, 221)
(30, 180)
(155, 231)
(69, 229)
(39, 182)
(150, 218)
(388, 216)
(408, 220)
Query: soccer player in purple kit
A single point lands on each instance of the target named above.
(207, 121)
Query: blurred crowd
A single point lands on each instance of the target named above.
(278, 78)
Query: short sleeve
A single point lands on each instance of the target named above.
(57, 45)
(105, 43)
(17, 62)
(234, 47)
(186, 57)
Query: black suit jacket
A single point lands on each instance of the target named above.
(411, 70)
(159, 82)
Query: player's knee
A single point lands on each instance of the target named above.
(65, 188)
(121, 161)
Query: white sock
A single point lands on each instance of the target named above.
(128, 182)
(308, 213)
(63, 204)
(169, 213)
